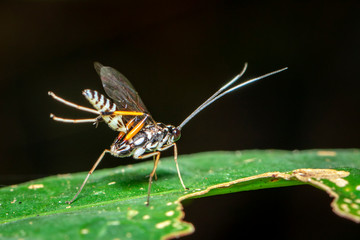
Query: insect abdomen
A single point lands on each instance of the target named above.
(104, 105)
(99, 102)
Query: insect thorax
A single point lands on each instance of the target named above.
(149, 139)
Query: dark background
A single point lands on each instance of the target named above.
(176, 55)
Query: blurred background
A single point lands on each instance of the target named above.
(176, 54)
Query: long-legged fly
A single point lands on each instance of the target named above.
(139, 135)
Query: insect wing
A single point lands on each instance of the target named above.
(118, 87)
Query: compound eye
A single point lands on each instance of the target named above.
(176, 133)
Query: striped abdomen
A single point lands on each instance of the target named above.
(104, 105)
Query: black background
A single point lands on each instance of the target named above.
(177, 54)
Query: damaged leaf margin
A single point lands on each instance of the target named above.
(330, 180)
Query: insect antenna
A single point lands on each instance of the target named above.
(221, 92)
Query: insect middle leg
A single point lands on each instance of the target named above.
(154, 158)
(156, 161)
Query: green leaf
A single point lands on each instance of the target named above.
(112, 204)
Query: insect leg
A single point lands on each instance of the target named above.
(151, 176)
(176, 162)
(156, 161)
(90, 172)
(154, 158)
(177, 166)
(66, 120)
(72, 104)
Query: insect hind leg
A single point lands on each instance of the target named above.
(88, 175)
(95, 121)
(67, 120)
(70, 104)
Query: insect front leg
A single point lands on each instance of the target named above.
(176, 162)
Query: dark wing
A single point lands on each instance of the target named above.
(119, 89)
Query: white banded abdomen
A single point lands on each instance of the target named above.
(104, 105)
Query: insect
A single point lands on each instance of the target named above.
(140, 136)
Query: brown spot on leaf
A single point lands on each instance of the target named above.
(35, 186)
(332, 175)
(326, 153)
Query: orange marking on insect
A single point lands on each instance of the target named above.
(128, 126)
(130, 123)
(135, 130)
(121, 134)
(127, 113)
